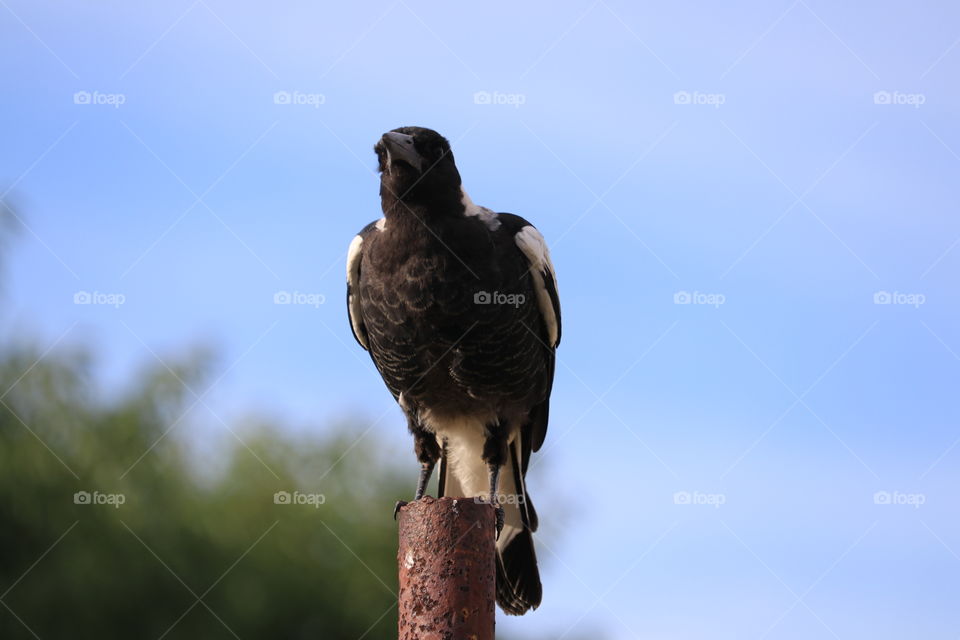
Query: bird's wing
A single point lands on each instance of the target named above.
(354, 264)
(534, 250)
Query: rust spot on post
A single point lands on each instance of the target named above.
(446, 560)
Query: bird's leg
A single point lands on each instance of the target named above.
(494, 480)
(428, 452)
(442, 480)
(426, 470)
(495, 455)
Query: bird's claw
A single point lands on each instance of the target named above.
(500, 520)
(396, 509)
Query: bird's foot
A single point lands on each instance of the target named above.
(400, 505)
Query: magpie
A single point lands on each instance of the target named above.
(458, 308)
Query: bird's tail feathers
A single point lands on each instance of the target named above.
(518, 579)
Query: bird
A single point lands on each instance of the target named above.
(457, 306)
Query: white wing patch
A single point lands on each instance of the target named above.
(488, 217)
(353, 281)
(534, 247)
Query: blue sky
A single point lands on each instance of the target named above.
(738, 156)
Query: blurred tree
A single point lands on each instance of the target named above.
(186, 554)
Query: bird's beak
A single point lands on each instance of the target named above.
(400, 147)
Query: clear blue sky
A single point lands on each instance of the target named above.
(780, 183)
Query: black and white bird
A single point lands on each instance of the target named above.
(458, 308)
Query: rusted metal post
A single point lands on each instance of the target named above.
(447, 570)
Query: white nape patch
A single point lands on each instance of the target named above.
(353, 280)
(381, 224)
(534, 247)
(488, 217)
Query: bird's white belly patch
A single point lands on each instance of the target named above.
(465, 437)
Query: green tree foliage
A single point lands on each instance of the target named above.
(191, 552)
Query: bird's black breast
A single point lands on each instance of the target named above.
(452, 316)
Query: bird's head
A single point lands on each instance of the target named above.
(417, 168)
